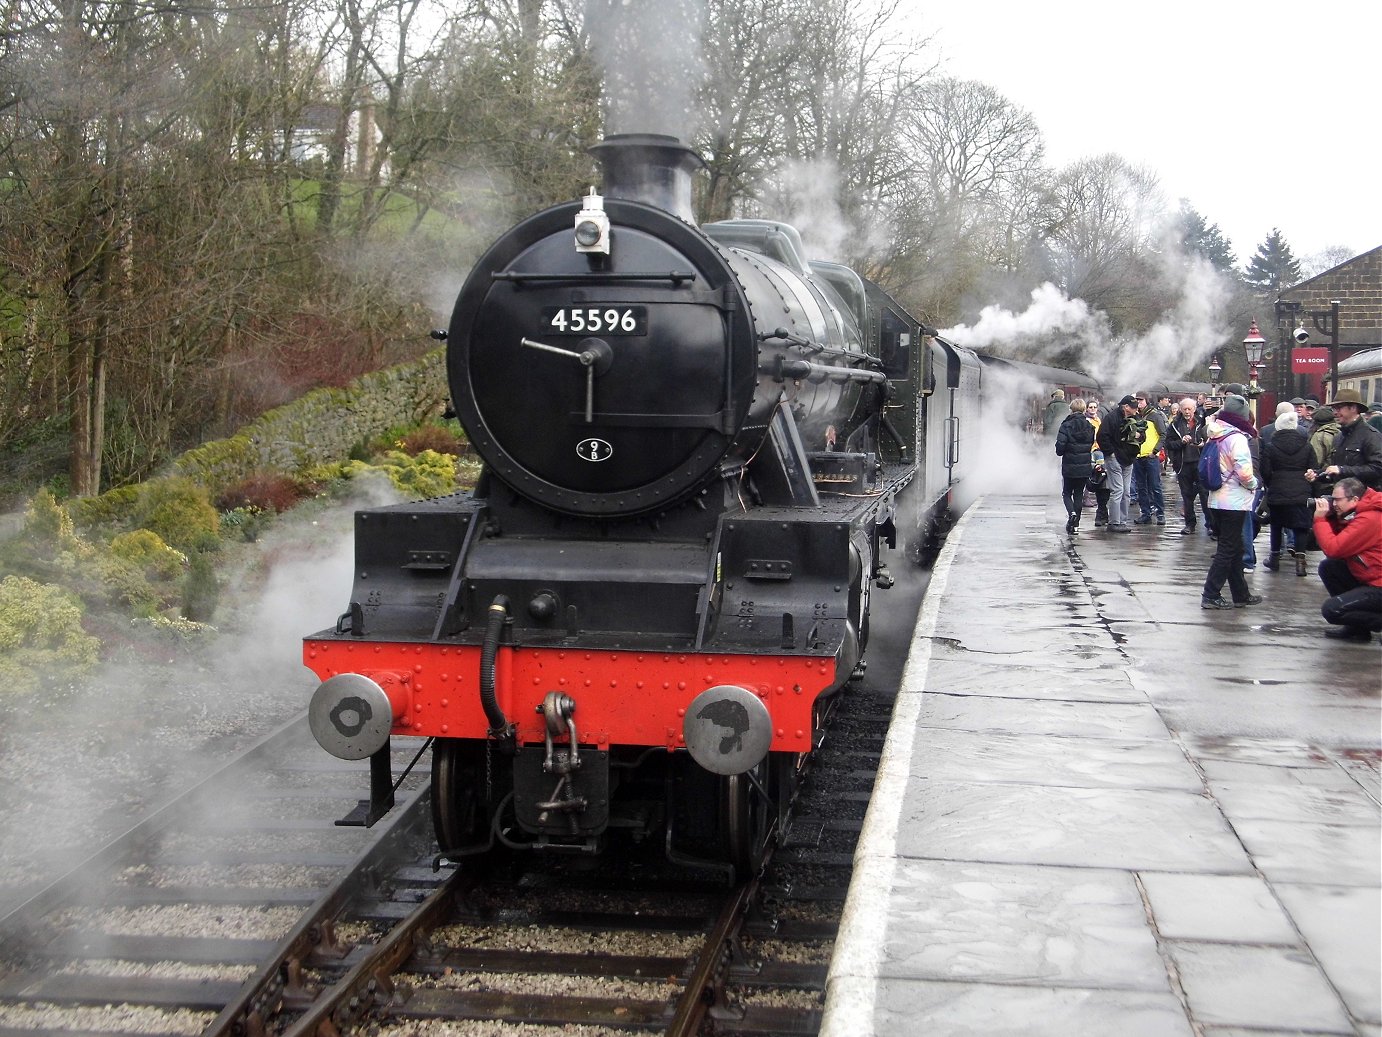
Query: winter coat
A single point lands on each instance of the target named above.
(1322, 442)
(1235, 462)
(1285, 457)
(1075, 445)
(1156, 431)
(1358, 452)
(1110, 438)
(1182, 454)
(1358, 539)
(1056, 411)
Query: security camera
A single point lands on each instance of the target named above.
(1301, 336)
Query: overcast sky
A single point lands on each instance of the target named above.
(1263, 115)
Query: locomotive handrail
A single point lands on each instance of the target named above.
(817, 349)
(676, 277)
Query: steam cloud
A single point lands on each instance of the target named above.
(127, 738)
(1172, 349)
(650, 51)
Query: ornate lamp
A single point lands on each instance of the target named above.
(1255, 345)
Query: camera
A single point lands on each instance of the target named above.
(1301, 336)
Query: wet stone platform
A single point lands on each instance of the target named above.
(1102, 810)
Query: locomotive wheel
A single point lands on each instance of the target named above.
(748, 819)
(459, 817)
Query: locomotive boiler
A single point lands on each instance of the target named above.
(694, 446)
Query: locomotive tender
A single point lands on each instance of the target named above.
(696, 447)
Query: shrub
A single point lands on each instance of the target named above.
(46, 522)
(263, 491)
(246, 524)
(114, 507)
(146, 550)
(180, 512)
(124, 584)
(41, 635)
(201, 590)
(432, 437)
(468, 470)
(429, 474)
(174, 630)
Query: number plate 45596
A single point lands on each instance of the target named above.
(595, 320)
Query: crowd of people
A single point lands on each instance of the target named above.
(1312, 476)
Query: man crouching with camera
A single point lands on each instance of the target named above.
(1348, 528)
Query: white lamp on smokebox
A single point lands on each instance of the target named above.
(1255, 345)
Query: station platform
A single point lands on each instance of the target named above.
(1103, 810)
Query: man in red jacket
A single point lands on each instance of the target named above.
(1348, 528)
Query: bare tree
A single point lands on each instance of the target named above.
(1100, 237)
(858, 78)
(975, 189)
(749, 51)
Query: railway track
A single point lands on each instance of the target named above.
(197, 919)
(628, 946)
(241, 908)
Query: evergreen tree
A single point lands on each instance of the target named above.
(1273, 269)
(1195, 237)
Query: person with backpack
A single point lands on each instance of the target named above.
(1184, 438)
(1226, 470)
(1323, 432)
(1120, 439)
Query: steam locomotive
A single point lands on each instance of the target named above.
(698, 448)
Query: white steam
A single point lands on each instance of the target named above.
(1176, 347)
(81, 763)
(650, 53)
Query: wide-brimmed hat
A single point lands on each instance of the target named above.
(1352, 396)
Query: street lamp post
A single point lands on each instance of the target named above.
(1214, 371)
(1255, 345)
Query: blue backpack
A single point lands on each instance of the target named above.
(1211, 475)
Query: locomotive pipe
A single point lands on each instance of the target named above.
(886, 424)
(781, 369)
(499, 726)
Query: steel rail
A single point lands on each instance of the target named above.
(369, 983)
(712, 965)
(261, 995)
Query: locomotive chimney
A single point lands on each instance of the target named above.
(653, 168)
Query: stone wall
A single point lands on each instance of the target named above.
(1357, 286)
